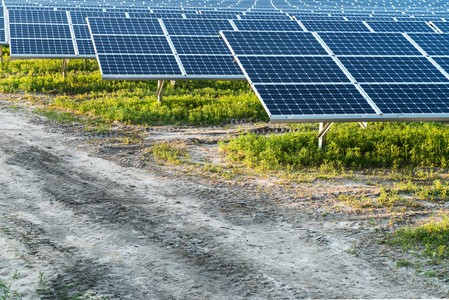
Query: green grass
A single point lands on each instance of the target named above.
(169, 152)
(381, 145)
(432, 238)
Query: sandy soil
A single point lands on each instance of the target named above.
(82, 215)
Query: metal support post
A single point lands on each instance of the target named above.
(363, 124)
(324, 127)
(64, 67)
(173, 83)
(160, 86)
(1, 54)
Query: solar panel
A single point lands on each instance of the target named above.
(410, 98)
(335, 26)
(267, 25)
(309, 69)
(197, 55)
(432, 43)
(393, 26)
(276, 43)
(392, 69)
(41, 47)
(346, 43)
(265, 17)
(196, 26)
(122, 26)
(39, 31)
(443, 62)
(443, 26)
(38, 17)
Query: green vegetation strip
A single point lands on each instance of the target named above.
(384, 145)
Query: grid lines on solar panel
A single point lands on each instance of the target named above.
(443, 62)
(305, 99)
(409, 98)
(38, 17)
(274, 43)
(432, 43)
(144, 65)
(392, 69)
(85, 47)
(79, 18)
(400, 26)
(359, 43)
(267, 25)
(35, 47)
(291, 69)
(81, 31)
(443, 26)
(30, 31)
(265, 17)
(124, 26)
(122, 44)
(199, 45)
(3, 37)
(341, 26)
(210, 65)
(196, 26)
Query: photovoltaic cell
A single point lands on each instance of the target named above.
(400, 26)
(392, 69)
(409, 98)
(138, 65)
(33, 31)
(210, 65)
(38, 17)
(48, 47)
(278, 69)
(267, 25)
(274, 43)
(443, 62)
(196, 26)
(123, 26)
(266, 17)
(341, 26)
(79, 18)
(443, 26)
(199, 45)
(432, 43)
(329, 99)
(85, 48)
(346, 43)
(121, 44)
(81, 31)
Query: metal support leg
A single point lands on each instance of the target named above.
(363, 124)
(173, 83)
(324, 127)
(64, 67)
(160, 86)
(1, 54)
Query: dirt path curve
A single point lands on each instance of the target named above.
(75, 223)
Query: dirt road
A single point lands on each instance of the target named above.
(77, 223)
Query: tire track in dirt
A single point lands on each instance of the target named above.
(126, 234)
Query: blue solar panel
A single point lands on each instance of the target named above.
(393, 26)
(443, 26)
(85, 48)
(432, 43)
(346, 43)
(199, 45)
(409, 98)
(196, 26)
(81, 31)
(79, 18)
(313, 100)
(121, 44)
(341, 26)
(267, 25)
(123, 26)
(38, 17)
(265, 17)
(36, 47)
(275, 43)
(392, 69)
(138, 65)
(278, 69)
(210, 65)
(30, 31)
(443, 62)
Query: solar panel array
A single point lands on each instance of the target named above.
(307, 60)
